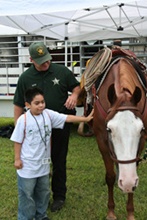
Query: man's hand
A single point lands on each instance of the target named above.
(71, 101)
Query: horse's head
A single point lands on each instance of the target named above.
(124, 127)
(124, 131)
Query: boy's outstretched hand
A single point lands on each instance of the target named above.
(90, 116)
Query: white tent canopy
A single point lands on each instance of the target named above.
(27, 7)
(9, 31)
(76, 20)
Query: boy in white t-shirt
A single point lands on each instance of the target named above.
(32, 136)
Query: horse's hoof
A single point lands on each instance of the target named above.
(131, 218)
(111, 218)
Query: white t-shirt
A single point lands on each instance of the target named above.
(35, 134)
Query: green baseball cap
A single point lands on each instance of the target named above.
(39, 52)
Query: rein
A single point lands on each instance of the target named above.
(101, 109)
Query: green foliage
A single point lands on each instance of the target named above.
(86, 188)
(6, 121)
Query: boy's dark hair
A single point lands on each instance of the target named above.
(31, 93)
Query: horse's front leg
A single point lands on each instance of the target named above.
(110, 180)
(130, 207)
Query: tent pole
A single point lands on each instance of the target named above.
(66, 42)
(66, 52)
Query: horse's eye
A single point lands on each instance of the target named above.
(142, 130)
(108, 130)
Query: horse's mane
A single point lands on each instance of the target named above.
(119, 101)
(122, 101)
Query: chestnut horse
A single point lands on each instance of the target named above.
(119, 124)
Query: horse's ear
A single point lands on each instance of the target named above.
(136, 95)
(111, 94)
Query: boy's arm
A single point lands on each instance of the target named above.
(17, 160)
(73, 118)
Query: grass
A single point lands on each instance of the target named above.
(87, 191)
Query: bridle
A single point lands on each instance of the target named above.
(110, 144)
(105, 114)
(113, 155)
(123, 107)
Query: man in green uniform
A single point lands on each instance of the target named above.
(56, 81)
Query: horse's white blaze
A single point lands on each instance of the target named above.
(125, 135)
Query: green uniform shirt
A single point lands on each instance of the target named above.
(56, 82)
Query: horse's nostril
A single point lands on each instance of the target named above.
(120, 182)
(136, 184)
(133, 188)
